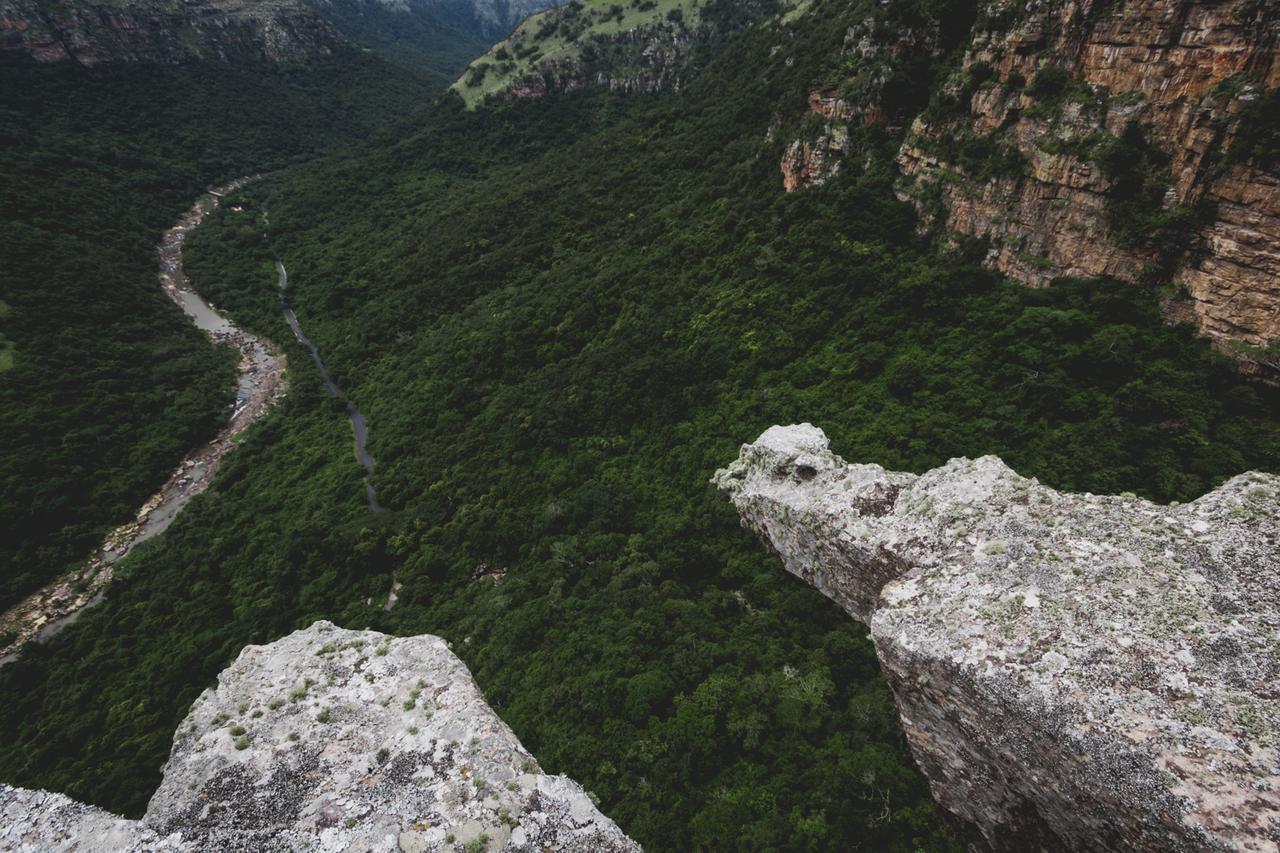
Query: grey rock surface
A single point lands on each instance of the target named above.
(1072, 671)
(335, 740)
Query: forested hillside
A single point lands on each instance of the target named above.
(434, 36)
(560, 316)
(104, 385)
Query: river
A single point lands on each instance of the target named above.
(260, 383)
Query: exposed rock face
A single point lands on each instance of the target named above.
(1072, 671)
(335, 740)
(813, 163)
(873, 50)
(599, 44)
(1021, 146)
(1179, 71)
(642, 60)
(1236, 287)
(95, 31)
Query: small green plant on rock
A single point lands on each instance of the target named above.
(477, 845)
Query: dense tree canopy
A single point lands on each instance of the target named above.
(105, 384)
(560, 317)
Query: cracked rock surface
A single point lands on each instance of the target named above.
(335, 740)
(1073, 671)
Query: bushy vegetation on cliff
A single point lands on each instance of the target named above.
(560, 318)
(109, 384)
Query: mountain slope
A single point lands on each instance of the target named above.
(1136, 140)
(641, 47)
(436, 36)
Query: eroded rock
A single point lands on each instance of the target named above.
(335, 740)
(1072, 671)
(1184, 72)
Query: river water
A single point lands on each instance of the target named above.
(358, 424)
(259, 384)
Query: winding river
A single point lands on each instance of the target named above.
(260, 384)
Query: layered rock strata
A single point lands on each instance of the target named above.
(335, 740)
(1021, 146)
(92, 32)
(1181, 71)
(1072, 671)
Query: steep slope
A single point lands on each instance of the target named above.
(1135, 140)
(378, 738)
(1074, 672)
(641, 47)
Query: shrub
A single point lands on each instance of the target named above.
(1049, 83)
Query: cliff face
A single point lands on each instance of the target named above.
(868, 90)
(599, 44)
(335, 740)
(169, 31)
(1065, 86)
(1091, 138)
(165, 31)
(1072, 671)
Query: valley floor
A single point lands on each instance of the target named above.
(260, 384)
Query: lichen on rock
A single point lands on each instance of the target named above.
(1073, 671)
(335, 740)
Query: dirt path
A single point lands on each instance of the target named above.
(260, 384)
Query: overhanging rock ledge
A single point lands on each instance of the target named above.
(1072, 671)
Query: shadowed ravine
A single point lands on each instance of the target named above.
(358, 423)
(359, 426)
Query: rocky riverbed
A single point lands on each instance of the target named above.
(260, 384)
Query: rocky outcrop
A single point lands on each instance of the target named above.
(811, 163)
(335, 740)
(599, 44)
(873, 53)
(1072, 671)
(91, 32)
(1063, 83)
